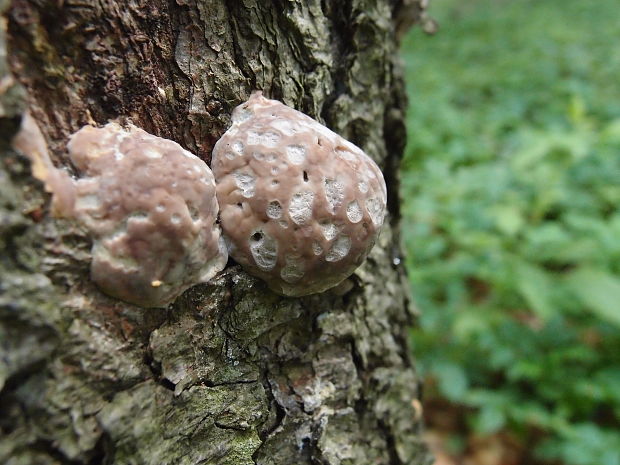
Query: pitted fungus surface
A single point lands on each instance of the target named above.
(151, 208)
(301, 207)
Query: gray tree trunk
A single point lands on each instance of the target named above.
(230, 373)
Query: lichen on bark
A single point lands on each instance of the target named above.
(230, 373)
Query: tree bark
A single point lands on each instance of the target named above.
(230, 373)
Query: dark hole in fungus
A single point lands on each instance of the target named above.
(319, 141)
(194, 212)
(305, 176)
(257, 236)
(240, 205)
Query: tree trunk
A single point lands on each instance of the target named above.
(230, 373)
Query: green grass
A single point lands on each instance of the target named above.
(511, 191)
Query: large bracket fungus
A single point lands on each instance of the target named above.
(149, 205)
(152, 208)
(301, 207)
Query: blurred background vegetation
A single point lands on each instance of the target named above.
(511, 204)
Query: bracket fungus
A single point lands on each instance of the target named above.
(150, 207)
(300, 206)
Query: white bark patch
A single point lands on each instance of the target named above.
(264, 250)
(274, 210)
(329, 230)
(300, 207)
(296, 154)
(284, 126)
(334, 193)
(376, 210)
(267, 139)
(88, 202)
(354, 212)
(242, 115)
(316, 248)
(339, 250)
(237, 146)
(294, 269)
(245, 182)
(152, 153)
(270, 139)
(254, 138)
(346, 154)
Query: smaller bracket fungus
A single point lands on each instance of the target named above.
(151, 208)
(301, 207)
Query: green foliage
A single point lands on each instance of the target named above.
(511, 190)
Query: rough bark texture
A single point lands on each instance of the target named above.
(230, 373)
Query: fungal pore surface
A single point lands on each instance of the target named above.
(300, 206)
(150, 207)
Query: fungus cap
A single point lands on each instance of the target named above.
(300, 206)
(151, 208)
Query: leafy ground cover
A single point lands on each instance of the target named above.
(511, 204)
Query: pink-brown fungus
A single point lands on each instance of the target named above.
(301, 207)
(148, 204)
